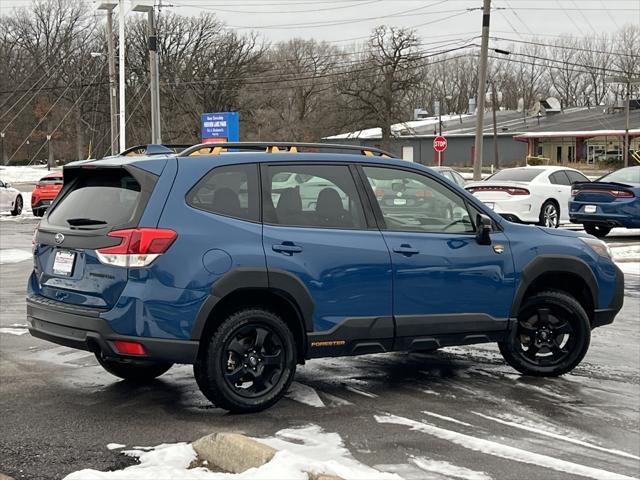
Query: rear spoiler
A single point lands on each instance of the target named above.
(599, 185)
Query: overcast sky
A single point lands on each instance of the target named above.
(437, 22)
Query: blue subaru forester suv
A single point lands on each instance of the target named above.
(248, 259)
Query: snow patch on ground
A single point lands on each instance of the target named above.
(14, 255)
(449, 470)
(500, 450)
(115, 446)
(13, 331)
(626, 253)
(630, 268)
(14, 174)
(304, 394)
(300, 450)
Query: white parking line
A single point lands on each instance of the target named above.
(448, 419)
(503, 451)
(558, 437)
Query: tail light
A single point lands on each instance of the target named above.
(139, 247)
(613, 193)
(423, 194)
(509, 190)
(379, 193)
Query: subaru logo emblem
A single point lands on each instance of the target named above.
(59, 238)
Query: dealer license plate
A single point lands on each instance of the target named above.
(590, 209)
(63, 262)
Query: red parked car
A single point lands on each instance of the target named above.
(44, 193)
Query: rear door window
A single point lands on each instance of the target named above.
(322, 196)
(559, 178)
(98, 198)
(575, 177)
(231, 190)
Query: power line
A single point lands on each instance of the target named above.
(263, 12)
(566, 47)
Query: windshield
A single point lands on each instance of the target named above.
(624, 175)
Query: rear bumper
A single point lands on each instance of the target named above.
(82, 328)
(605, 316)
(605, 220)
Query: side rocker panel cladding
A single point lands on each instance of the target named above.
(545, 264)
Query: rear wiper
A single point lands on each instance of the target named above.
(85, 221)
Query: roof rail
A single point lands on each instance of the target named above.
(278, 147)
(153, 149)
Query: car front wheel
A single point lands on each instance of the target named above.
(551, 336)
(248, 363)
(17, 206)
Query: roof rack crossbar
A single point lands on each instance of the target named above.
(278, 147)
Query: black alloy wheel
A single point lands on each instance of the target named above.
(255, 360)
(248, 362)
(599, 231)
(17, 206)
(551, 336)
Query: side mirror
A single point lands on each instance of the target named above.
(485, 228)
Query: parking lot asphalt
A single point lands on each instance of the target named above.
(399, 413)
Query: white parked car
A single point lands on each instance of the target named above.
(537, 195)
(10, 199)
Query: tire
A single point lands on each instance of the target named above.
(549, 215)
(134, 371)
(596, 230)
(551, 336)
(17, 207)
(262, 340)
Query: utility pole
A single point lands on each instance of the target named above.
(49, 153)
(3, 156)
(627, 145)
(113, 102)
(156, 127)
(628, 81)
(122, 84)
(496, 153)
(482, 80)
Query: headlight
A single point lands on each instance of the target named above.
(598, 246)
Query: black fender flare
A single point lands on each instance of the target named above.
(282, 283)
(544, 264)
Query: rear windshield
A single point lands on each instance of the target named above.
(517, 174)
(624, 175)
(97, 199)
(51, 180)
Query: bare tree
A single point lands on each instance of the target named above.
(388, 71)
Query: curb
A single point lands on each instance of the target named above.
(236, 453)
(7, 477)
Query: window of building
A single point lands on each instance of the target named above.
(230, 190)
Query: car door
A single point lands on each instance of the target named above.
(562, 189)
(444, 281)
(318, 236)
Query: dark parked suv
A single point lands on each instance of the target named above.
(248, 259)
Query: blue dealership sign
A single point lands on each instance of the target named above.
(220, 127)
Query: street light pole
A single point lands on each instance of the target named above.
(122, 85)
(154, 77)
(4, 154)
(482, 81)
(628, 81)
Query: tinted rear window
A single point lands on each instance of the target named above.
(624, 175)
(517, 174)
(102, 195)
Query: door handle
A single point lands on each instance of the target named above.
(406, 249)
(288, 248)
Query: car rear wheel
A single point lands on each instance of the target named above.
(599, 231)
(549, 215)
(248, 363)
(135, 371)
(17, 207)
(551, 336)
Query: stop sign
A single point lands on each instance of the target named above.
(439, 143)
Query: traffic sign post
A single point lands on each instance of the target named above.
(220, 127)
(439, 145)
